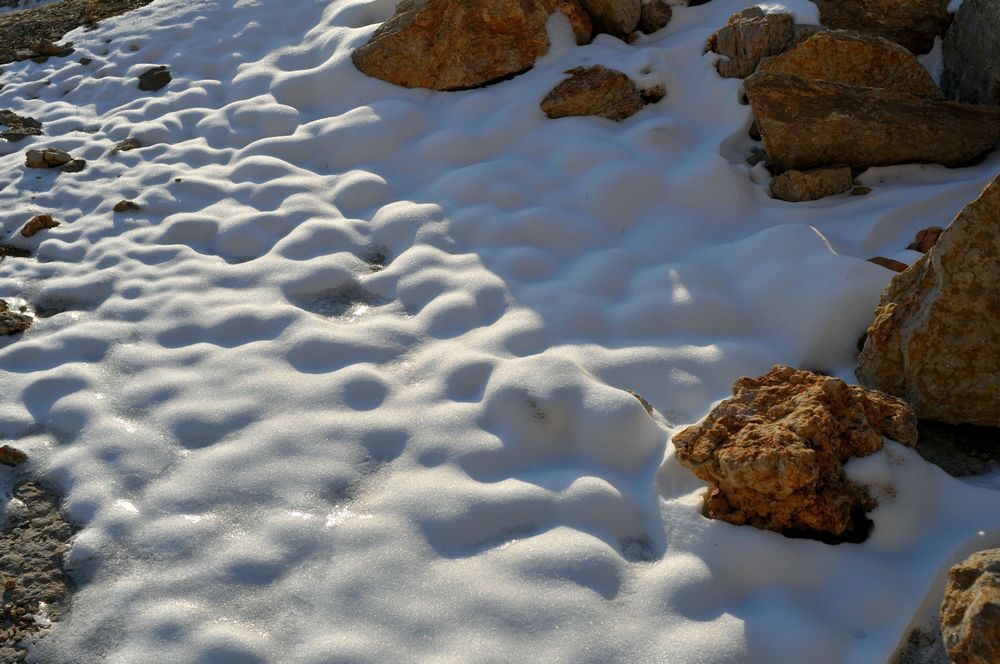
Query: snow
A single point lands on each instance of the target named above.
(280, 454)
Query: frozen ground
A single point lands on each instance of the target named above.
(280, 454)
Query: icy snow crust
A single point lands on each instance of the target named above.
(280, 454)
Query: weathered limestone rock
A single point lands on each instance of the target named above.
(811, 124)
(925, 239)
(752, 35)
(460, 44)
(773, 454)
(615, 17)
(912, 23)
(595, 91)
(47, 158)
(655, 16)
(970, 612)
(936, 340)
(811, 185)
(852, 58)
(972, 54)
(38, 223)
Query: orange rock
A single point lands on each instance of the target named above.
(38, 223)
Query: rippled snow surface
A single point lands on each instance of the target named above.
(350, 386)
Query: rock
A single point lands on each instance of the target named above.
(934, 340)
(645, 404)
(912, 23)
(74, 166)
(811, 185)
(861, 191)
(596, 91)
(18, 127)
(752, 35)
(614, 17)
(23, 54)
(972, 54)
(38, 223)
(811, 124)
(926, 239)
(12, 322)
(154, 79)
(889, 263)
(11, 456)
(654, 16)
(773, 454)
(461, 44)
(47, 158)
(126, 206)
(14, 252)
(126, 145)
(970, 612)
(47, 48)
(852, 58)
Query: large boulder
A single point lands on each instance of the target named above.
(460, 44)
(596, 91)
(972, 54)
(615, 17)
(809, 124)
(936, 337)
(773, 454)
(970, 612)
(912, 23)
(752, 35)
(853, 58)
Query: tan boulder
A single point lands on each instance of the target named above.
(597, 91)
(811, 185)
(752, 35)
(47, 158)
(773, 454)
(925, 239)
(970, 612)
(936, 337)
(615, 17)
(853, 58)
(912, 23)
(972, 54)
(811, 124)
(460, 44)
(38, 223)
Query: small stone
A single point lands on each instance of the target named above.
(38, 223)
(47, 48)
(795, 186)
(126, 206)
(154, 79)
(18, 126)
(85, 61)
(861, 190)
(126, 145)
(47, 158)
(970, 612)
(596, 91)
(74, 166)
(23, 54)
(11, 456)
(926, 239)
(655, 16)
(12, 322)
(9, 585)
(889, 263)
(14, 252)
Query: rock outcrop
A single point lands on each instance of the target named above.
(460, 44)
(972, 54)
(809, 124)
(795, 186)
(970, 612)
(615, 17)
(596, 91)
(773, 454)
(936, 340)
(752, 35)
(912, 23)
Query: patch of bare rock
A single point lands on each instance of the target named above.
(598, 91)
(18, 127)
(913, 23)
(614, 17)
(752, 35)
(970, 612)
(972, 54)
(773, 453)
(812, 185)
(12, 322)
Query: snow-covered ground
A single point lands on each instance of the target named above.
(280, 454)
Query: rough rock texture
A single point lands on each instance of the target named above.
(773, 454)
(926, 239)
(38, 223)
(912, 23)
(155, 79)
(458, 44)
(14, 252)
(654, 16)
(935, 341)
(970, 612)
(811, 124)
(31, 554)
(960, 449)
(972, 54)
(852, 58)
(126, 206)
(18, 126)
(615, 17)
(752, 35)
(889, 263)
(11, 456)
(12, 322)
(811, 185)
(125, 146)
(596, 91)
(47, 158)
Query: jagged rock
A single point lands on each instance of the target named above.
(12, 322)
(126, 145)
(752, 35)
(615, 17)
(154, 79)
(11, 456)
(889, 263)
(47, 158)
(852, 58)
(654, 16)
(74, 166)
(126, 206)
(18, 126)
(811, 185)
(926, 239)
(38, 223)
(972, 54)
(970, 612)
(912, 23)
(596, 91)
(811, 124)
(934, 340)
(773, 454)
(460, 44)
